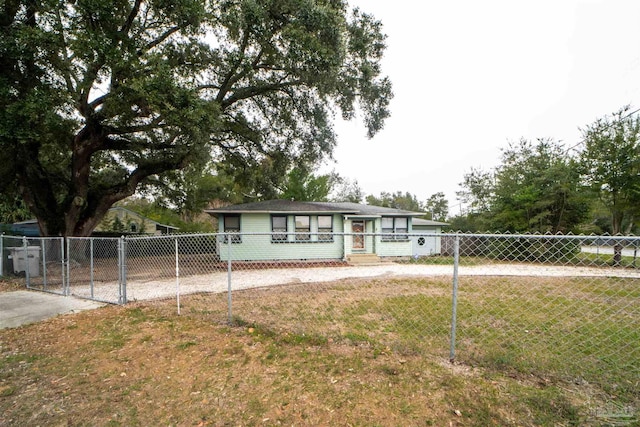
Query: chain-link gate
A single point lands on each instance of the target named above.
(95, 268)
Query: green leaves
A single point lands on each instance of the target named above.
(610, 164)
(304, 186)
(107, 96)
(536, 188)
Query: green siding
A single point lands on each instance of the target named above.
(259, 247)
(375, 244)
(394, 248)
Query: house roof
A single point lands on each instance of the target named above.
(427, 222)
(30, 228)
(129, 211)
(295, 207)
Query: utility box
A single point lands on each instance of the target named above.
(22, 262)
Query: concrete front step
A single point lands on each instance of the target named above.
(360, 259)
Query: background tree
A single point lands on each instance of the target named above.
(437, 206)
(610, 164)
(301, 185)
(477, 190)
(347, 190)
(189, 191)
(102, 98)
(537, 189)
(13, 209)
(397, 200)
(476, 193)
(157, 211)
(611, 168)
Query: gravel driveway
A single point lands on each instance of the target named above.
(219, 281)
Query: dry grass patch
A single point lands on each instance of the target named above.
(143, 364)
(10, 285)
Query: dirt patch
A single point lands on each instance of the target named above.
(11, 285)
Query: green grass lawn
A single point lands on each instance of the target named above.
(529, 352)
(571, 330)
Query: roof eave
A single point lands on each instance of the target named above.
(269, 211)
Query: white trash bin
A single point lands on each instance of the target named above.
(20, 264)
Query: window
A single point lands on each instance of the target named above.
(325, 228)
(303, 228)
(232, 225)
(395, 228)
(401, 228)
(387, 228)
(279, 228)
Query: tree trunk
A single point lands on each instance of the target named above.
(616, 227)
(617, 254)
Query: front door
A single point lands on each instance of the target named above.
(357, 228)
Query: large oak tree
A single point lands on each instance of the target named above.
(101, 98)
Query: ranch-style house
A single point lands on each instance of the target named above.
(292, 230)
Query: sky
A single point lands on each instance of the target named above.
(469, 76)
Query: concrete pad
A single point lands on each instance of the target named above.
(24, 307)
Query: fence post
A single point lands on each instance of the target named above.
(43, 247)
(119, 250)
(122, 264)
(26, 261)
(454, 303)
(65, 242)
(228, 235)
(2, 254)
(177, 278)
(124, 269)
(91, 278)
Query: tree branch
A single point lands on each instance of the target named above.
(128, 187)
(248, 92)
(230, 79)
(132, 15)
(160, 39)
(66, 62)
(124, 130)
(99, 101)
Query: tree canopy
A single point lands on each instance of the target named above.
(536, 188)
(102, 98)
(346, 190)
(301, 185)
(397, 200)
(437, 206)
(610, 164)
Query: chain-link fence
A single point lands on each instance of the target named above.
(539, 305)
(40, 260)
(564, 306)
(95, 268)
